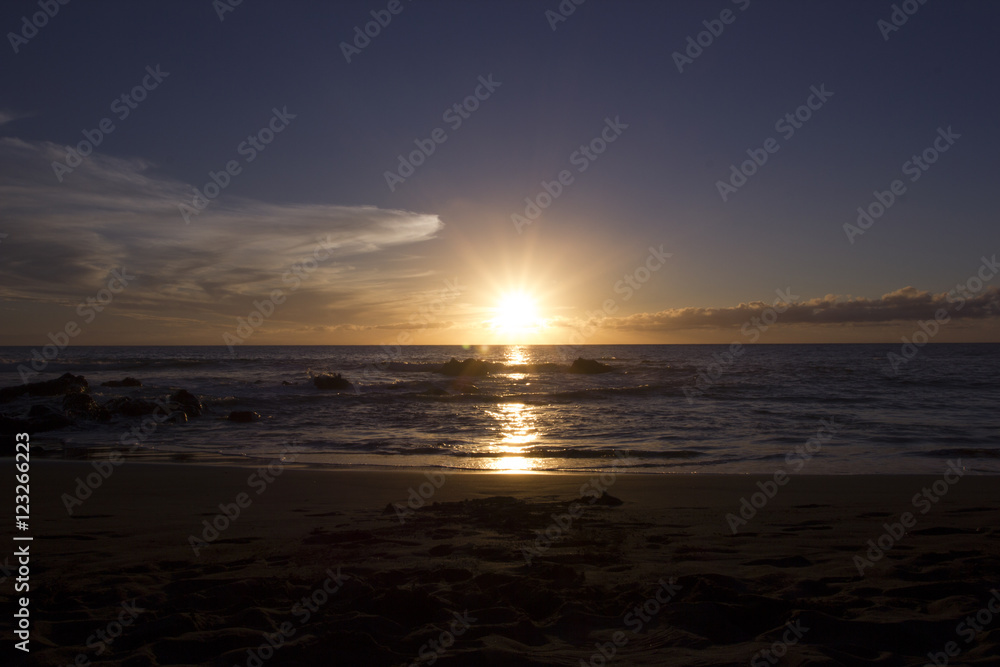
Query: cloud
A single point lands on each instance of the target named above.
(6, 116)
(64, 238)
(907, 304)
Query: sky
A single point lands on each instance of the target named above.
(198, 172)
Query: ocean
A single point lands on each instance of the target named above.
(805, 409)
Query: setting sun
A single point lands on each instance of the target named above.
(516, 312)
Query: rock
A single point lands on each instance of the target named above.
(286, 383)
(41, 411)
(83, 405)
(67, 383)
(468, 368)
(334, 381)
(609, 500)
(243, 416)
(187, 402)
(589, 367)
(127, 382)
(178, 417)
(128, 407)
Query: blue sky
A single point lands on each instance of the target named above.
(323, 175)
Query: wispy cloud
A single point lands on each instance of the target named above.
(109, 212)
(6, 116)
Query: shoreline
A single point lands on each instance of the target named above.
(396, 554)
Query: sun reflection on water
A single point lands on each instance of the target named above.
(515, 428)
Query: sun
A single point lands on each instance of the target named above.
(516, 312)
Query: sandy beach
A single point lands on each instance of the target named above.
(167, 564)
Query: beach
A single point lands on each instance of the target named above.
(171, 564)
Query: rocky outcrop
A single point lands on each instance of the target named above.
(83, 405)
(589, 367)
(243, 416)
(131, 407)
(332, 381)
(467, 368)
(187, 402)
(65, 384)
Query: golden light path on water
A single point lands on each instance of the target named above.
(515, 426)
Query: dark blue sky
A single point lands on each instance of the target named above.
(657, 184)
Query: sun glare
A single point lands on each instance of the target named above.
(516, 312)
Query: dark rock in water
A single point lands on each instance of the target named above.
(41, 411)
(187, 402)
(334, 381)
(65, 384)
(177, 417)
(127, 382)
(609, 500)
(468, 368)
(243, 416)
(83, 405)
(286, 383)
(589, 366)
(128, 407)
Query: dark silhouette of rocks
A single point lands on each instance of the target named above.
(468, 368)
(65, 384)
(83, 405)
(127, 382)
(243, 416)
(609, 500)
(332, 381)
(187, 402)
(129, 407)
(589, 367)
